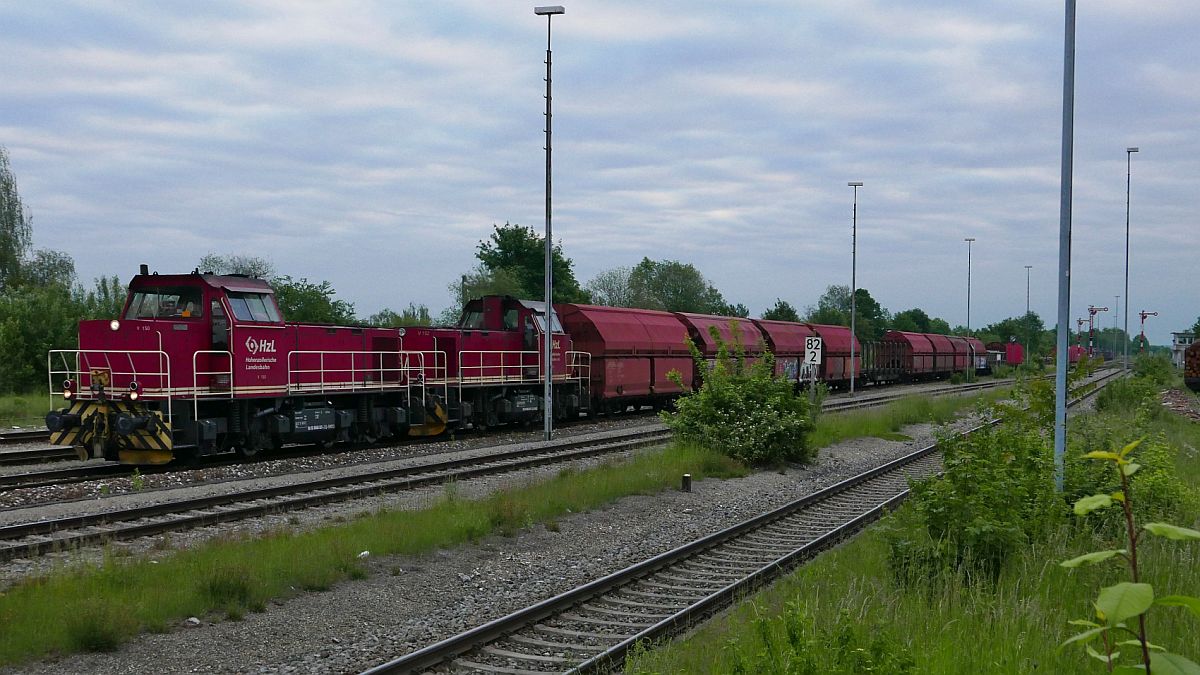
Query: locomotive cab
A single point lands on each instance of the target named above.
(502, 341)
(124, 386)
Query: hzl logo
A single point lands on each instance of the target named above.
(263, 346)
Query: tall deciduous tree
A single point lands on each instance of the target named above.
(15, 234)
(612, 287)
(304, 301)
(833, 307)
(782, 311)
(251, 266)
(413, 315)
(519, 253)
(677, 287)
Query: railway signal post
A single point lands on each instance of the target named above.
(1141, 334)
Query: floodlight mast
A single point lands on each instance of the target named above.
(853, 280)
(548, 11)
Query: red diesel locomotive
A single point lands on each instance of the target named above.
(201, 363)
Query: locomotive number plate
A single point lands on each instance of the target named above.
(101, 376)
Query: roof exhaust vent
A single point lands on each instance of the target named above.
(143, 269)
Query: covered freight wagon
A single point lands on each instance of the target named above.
(786, 340)
(916, 353)
(632, 352)
(836, 342)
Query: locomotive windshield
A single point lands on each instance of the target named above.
(253, 306)
(165, 303)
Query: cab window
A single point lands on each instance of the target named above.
(472, 320)
(510, 319)
(165, 303)
(253, 307)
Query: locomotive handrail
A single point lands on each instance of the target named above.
(507, 366)
(357, 376)
(196, 373)
(78, 372)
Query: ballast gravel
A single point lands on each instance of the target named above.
(408, 602)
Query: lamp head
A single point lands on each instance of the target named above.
(549, 10)
(1131, 149)
(854, 184)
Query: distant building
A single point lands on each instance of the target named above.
(1179, 343)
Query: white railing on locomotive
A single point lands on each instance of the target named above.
(345, 371)
(579, 368)
(220, 382)
(498, 366)
(125, 378)
(486, 366)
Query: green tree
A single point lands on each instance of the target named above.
(305, 302)
(16, 237)
(251, 266)
(912, 320)
(1195, 329)
(833, 308)
(519, 253)
(104, 300)
(33, 320)
(613, 288)
(413, 315)
(677, 287)
(782, 311)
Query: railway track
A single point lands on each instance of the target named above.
(592, 627)
(38, 538)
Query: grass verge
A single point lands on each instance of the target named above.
(887, 421)
(847, 612)
(25, 410)
(98, 608)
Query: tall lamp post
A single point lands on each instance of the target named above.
(1128, 165)
(1028, 334)
(969, 240)
(853, 277)
(1027, 268)
(548, 347)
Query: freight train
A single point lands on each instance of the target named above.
(198, 364)
(1191, 367)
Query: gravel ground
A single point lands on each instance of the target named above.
(408, 602)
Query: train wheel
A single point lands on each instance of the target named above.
(246, 450)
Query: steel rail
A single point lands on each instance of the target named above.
(224, 508)
(446, 651)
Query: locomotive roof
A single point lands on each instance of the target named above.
(229, 282)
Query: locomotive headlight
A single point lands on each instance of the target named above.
(134, 389)
(68, 389)
(133, 396)
(114, 324)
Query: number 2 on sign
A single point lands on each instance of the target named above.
(812, 351)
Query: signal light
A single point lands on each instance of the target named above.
(68, 389)
(114, 324)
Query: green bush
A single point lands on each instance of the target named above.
(795, 643)
(995, 494)
(1157, 368)
(743, 410)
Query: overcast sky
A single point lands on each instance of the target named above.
(374, 144)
